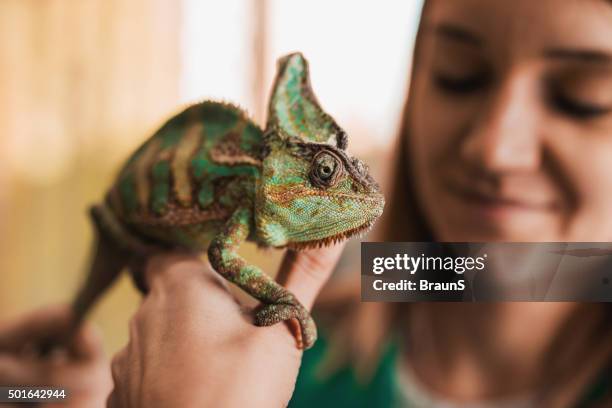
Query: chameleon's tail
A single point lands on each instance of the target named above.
(106, 263)
(107, 259)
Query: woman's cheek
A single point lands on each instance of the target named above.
(584, 161)
(440, 124)
(428, 136)
(592, 220)
(433, 128)
(434, 125)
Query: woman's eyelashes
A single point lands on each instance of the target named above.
(576, 108)
(461, 84)
(581, 94)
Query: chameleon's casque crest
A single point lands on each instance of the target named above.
(294, 110)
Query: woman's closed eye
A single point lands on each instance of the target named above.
(581, 93)
(578, 109)
(461, 84)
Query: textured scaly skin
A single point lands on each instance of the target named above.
(211, 179)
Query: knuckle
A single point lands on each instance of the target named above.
(314, 265)
(135, 325)
(116, 366)
(180, 278)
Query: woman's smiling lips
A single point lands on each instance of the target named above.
(486, 204)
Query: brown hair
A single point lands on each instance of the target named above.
(577, 355)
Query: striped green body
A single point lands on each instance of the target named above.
(185, 181)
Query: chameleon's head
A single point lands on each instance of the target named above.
(312, 192)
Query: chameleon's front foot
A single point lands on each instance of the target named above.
(271, 314)
(278, 303)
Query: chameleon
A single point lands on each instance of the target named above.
(210, 179)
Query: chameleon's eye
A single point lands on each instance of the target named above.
(326, 169)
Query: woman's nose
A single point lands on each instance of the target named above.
(504, 136)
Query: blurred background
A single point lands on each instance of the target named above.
(83, 83)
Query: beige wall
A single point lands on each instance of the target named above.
(81, 84)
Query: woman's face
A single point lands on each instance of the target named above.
(511, 120)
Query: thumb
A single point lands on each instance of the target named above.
(305, 272)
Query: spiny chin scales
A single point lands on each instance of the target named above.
(334, 239)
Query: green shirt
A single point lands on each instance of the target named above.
(341, 389)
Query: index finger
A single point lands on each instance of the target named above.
(305, 272)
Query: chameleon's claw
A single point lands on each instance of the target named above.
(271, 314)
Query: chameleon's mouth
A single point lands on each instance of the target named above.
(333, 239)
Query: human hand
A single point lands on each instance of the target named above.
(82, 368)
(192, 344)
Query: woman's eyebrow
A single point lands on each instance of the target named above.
(455, 32)
(583, 55)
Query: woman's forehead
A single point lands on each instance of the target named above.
(525, 25)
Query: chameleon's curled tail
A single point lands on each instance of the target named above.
(273, 313)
